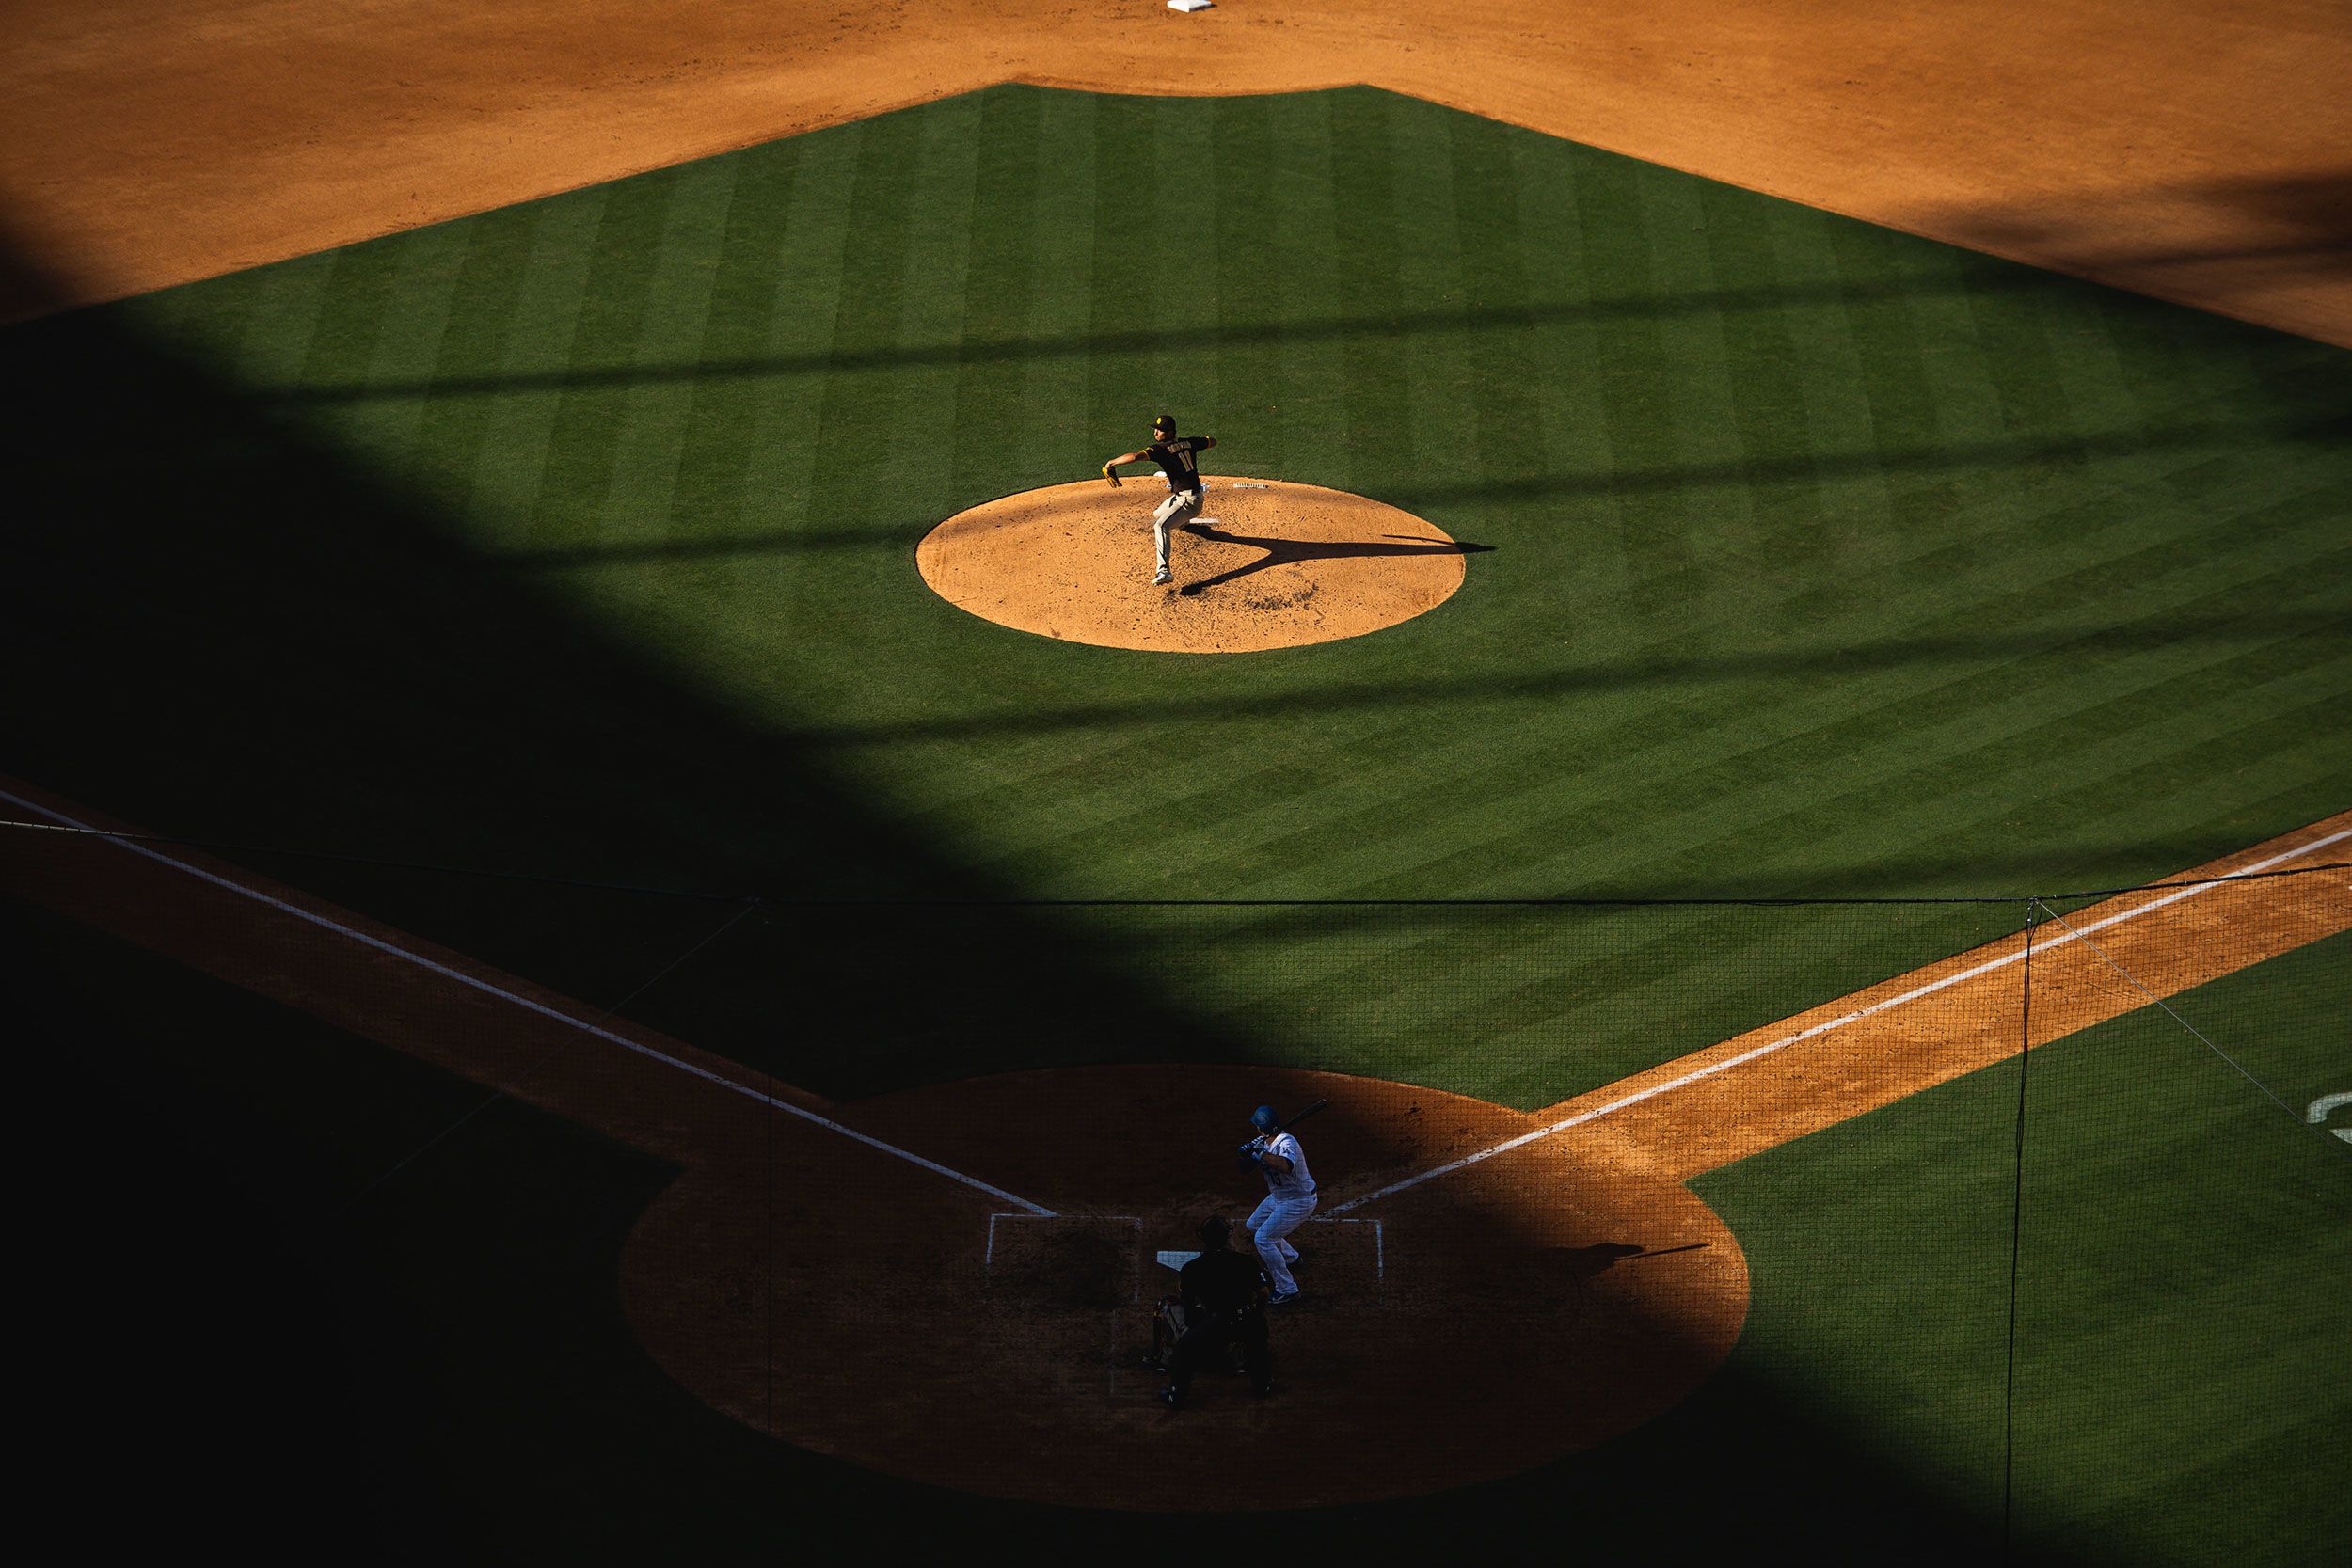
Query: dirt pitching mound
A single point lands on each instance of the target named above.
(1474, 1326)
(1270, 564)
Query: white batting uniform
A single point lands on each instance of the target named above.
(1290, 1197)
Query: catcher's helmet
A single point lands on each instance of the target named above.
(1215, 1230)
(1263, 1118)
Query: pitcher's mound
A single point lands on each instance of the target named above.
(1270, 564)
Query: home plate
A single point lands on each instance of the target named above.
(1176, 1260)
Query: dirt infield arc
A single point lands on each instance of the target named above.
(160, 142)
(1474, 1331)
(916, 1282)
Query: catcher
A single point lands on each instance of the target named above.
(1178, 458)
(1217, 1316)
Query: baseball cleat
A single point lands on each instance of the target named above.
(1163, 576)
(1172, 1398)
(1284, 1298)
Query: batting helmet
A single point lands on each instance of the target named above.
(1263, 1118)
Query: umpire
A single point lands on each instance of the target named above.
(1224, 1297)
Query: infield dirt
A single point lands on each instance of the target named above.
(2178, 149)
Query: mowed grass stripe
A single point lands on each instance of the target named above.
(1889, 359)
(1437, 442)
(1960, 384)
(1643, 432)
(1312, 380)
(858, 402)
(1055, 439)
(1742, 392)
(451, 426)
(519, 426)
(1576, 554)
(803, 273)
(1122, 387)
(720, 434)
(912, 475)
(581, 447)
(416, 301)
(274, 343)
(357, 300)
(651, 426)
(1488, 257)
(1180, 190)
(1376, 438)
(999, 296)
(719, 518)
(1705, 374)
(1827, 369)
(1241, 189)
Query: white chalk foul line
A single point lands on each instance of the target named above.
(557, 1015)
(2073, 934)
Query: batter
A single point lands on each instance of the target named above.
(1290, 1197)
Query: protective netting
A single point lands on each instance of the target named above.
(2083, 1298)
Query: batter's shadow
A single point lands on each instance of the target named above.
(1288, 552)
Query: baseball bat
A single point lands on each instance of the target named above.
(1286, 1126)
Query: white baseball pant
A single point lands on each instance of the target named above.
(1270, 1224)
(1182, 506)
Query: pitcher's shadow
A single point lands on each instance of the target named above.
(1287, 552)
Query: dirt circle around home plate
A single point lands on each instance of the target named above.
(1270, 563)
(1476, 1325)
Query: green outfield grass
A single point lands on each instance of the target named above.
(2181, 1308)
(577, 538)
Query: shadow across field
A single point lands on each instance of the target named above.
(1775, 663)
(225, 628)
(1945, 459)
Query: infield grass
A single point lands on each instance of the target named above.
(576, 538)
